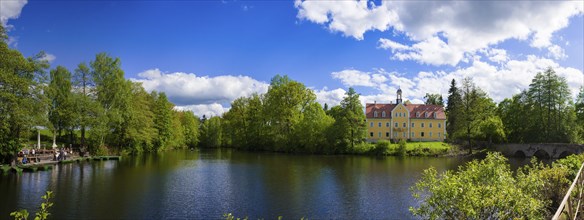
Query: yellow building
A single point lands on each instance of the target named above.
(415, 122)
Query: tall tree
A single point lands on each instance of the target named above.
(349, 127)
(21, 97)
(453, 110)
(212, 133)
(113, 93)
(162, 120)
(190, 125)
(83, 101)
(61, 108)
(141, 131)
(476, 107)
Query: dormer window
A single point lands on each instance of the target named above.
(383, 114)
(417, 114)
(425, 114)
(434, 114)
(375, 114)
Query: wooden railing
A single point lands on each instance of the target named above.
(572, 201)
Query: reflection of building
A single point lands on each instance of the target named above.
(416, 122)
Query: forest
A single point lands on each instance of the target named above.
(96, 108)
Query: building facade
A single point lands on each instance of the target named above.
(397, 121)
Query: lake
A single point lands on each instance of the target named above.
(208, 183)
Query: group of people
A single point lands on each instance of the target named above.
(24, 154)
(62, 153)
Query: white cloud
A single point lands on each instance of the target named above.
(209, 110)
(497, 55)
(352, 18)
(201, 94)
(500, 82)
(10, 9)
(556, 52)
(330, 97)
(49, 57)
(351, 77)
(443, 32)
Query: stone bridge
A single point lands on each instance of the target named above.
(540, 150)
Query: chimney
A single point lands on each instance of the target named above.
(374, 102)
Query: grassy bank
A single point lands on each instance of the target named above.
(425, 149)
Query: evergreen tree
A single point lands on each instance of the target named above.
(452, 110)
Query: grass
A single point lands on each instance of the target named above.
(412, 148)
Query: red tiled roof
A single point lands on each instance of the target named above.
(421, 109)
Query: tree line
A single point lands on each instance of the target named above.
(543, 113)
(94, 100)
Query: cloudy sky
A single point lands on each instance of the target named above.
(204, 54)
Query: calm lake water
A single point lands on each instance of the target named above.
(208, 183)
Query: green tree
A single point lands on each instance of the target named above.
(61, 108)
(549, 99)
(285, 101)
(492, 129)
(141, 132)
(476, 106)
(310, 132)
(113, 94)
(162, 120)
(190, 124)
(211, 133)
(453, 110)
(349, 127)
(22, 101)
(433, 99)
(83, 103)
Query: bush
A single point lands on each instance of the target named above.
(483, 189)
(401, 149)
(380, 148)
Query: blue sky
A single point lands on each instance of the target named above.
(204, 54)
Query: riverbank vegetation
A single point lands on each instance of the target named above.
(488, 189)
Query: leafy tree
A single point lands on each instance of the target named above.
(476, 106)
(190, 125)
(453, 110)
(113, 94)
(211, 133)
(492, 129)
(433, 99)
(162, 120)
(310, 132)
(285, 101)
(61, 108)
(349, 127)
(84, 102)
(141, 132)
(22, 102)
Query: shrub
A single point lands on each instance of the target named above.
(401, 149)
(380, 148)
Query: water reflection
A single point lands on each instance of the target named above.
(206, 184)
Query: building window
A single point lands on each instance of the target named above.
(430, 125)
(396, 124)
(379, 124)
(379, 134)
(395, 134)
(439, 125)
(370, 134)
(370, 125)
(404, 124)
(417, 114)
(383, 114)
(426, 115)
(434, 114)
(412, 124)
(412, 135)
(438, 134)
(387, 124)
(422, 124)
(386, 134)
(430, 134)
(375, 114)
(396, 114)
(404, 134)
(421, 134)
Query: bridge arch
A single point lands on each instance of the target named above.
(542, 154)
(565, 154)
(520, 154)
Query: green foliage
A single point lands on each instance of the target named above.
(433, 99)
(401, 148)
(43, 212)
(380, 148)
(483, 189)
(453, 110)
(349, 128)
(212, 133)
